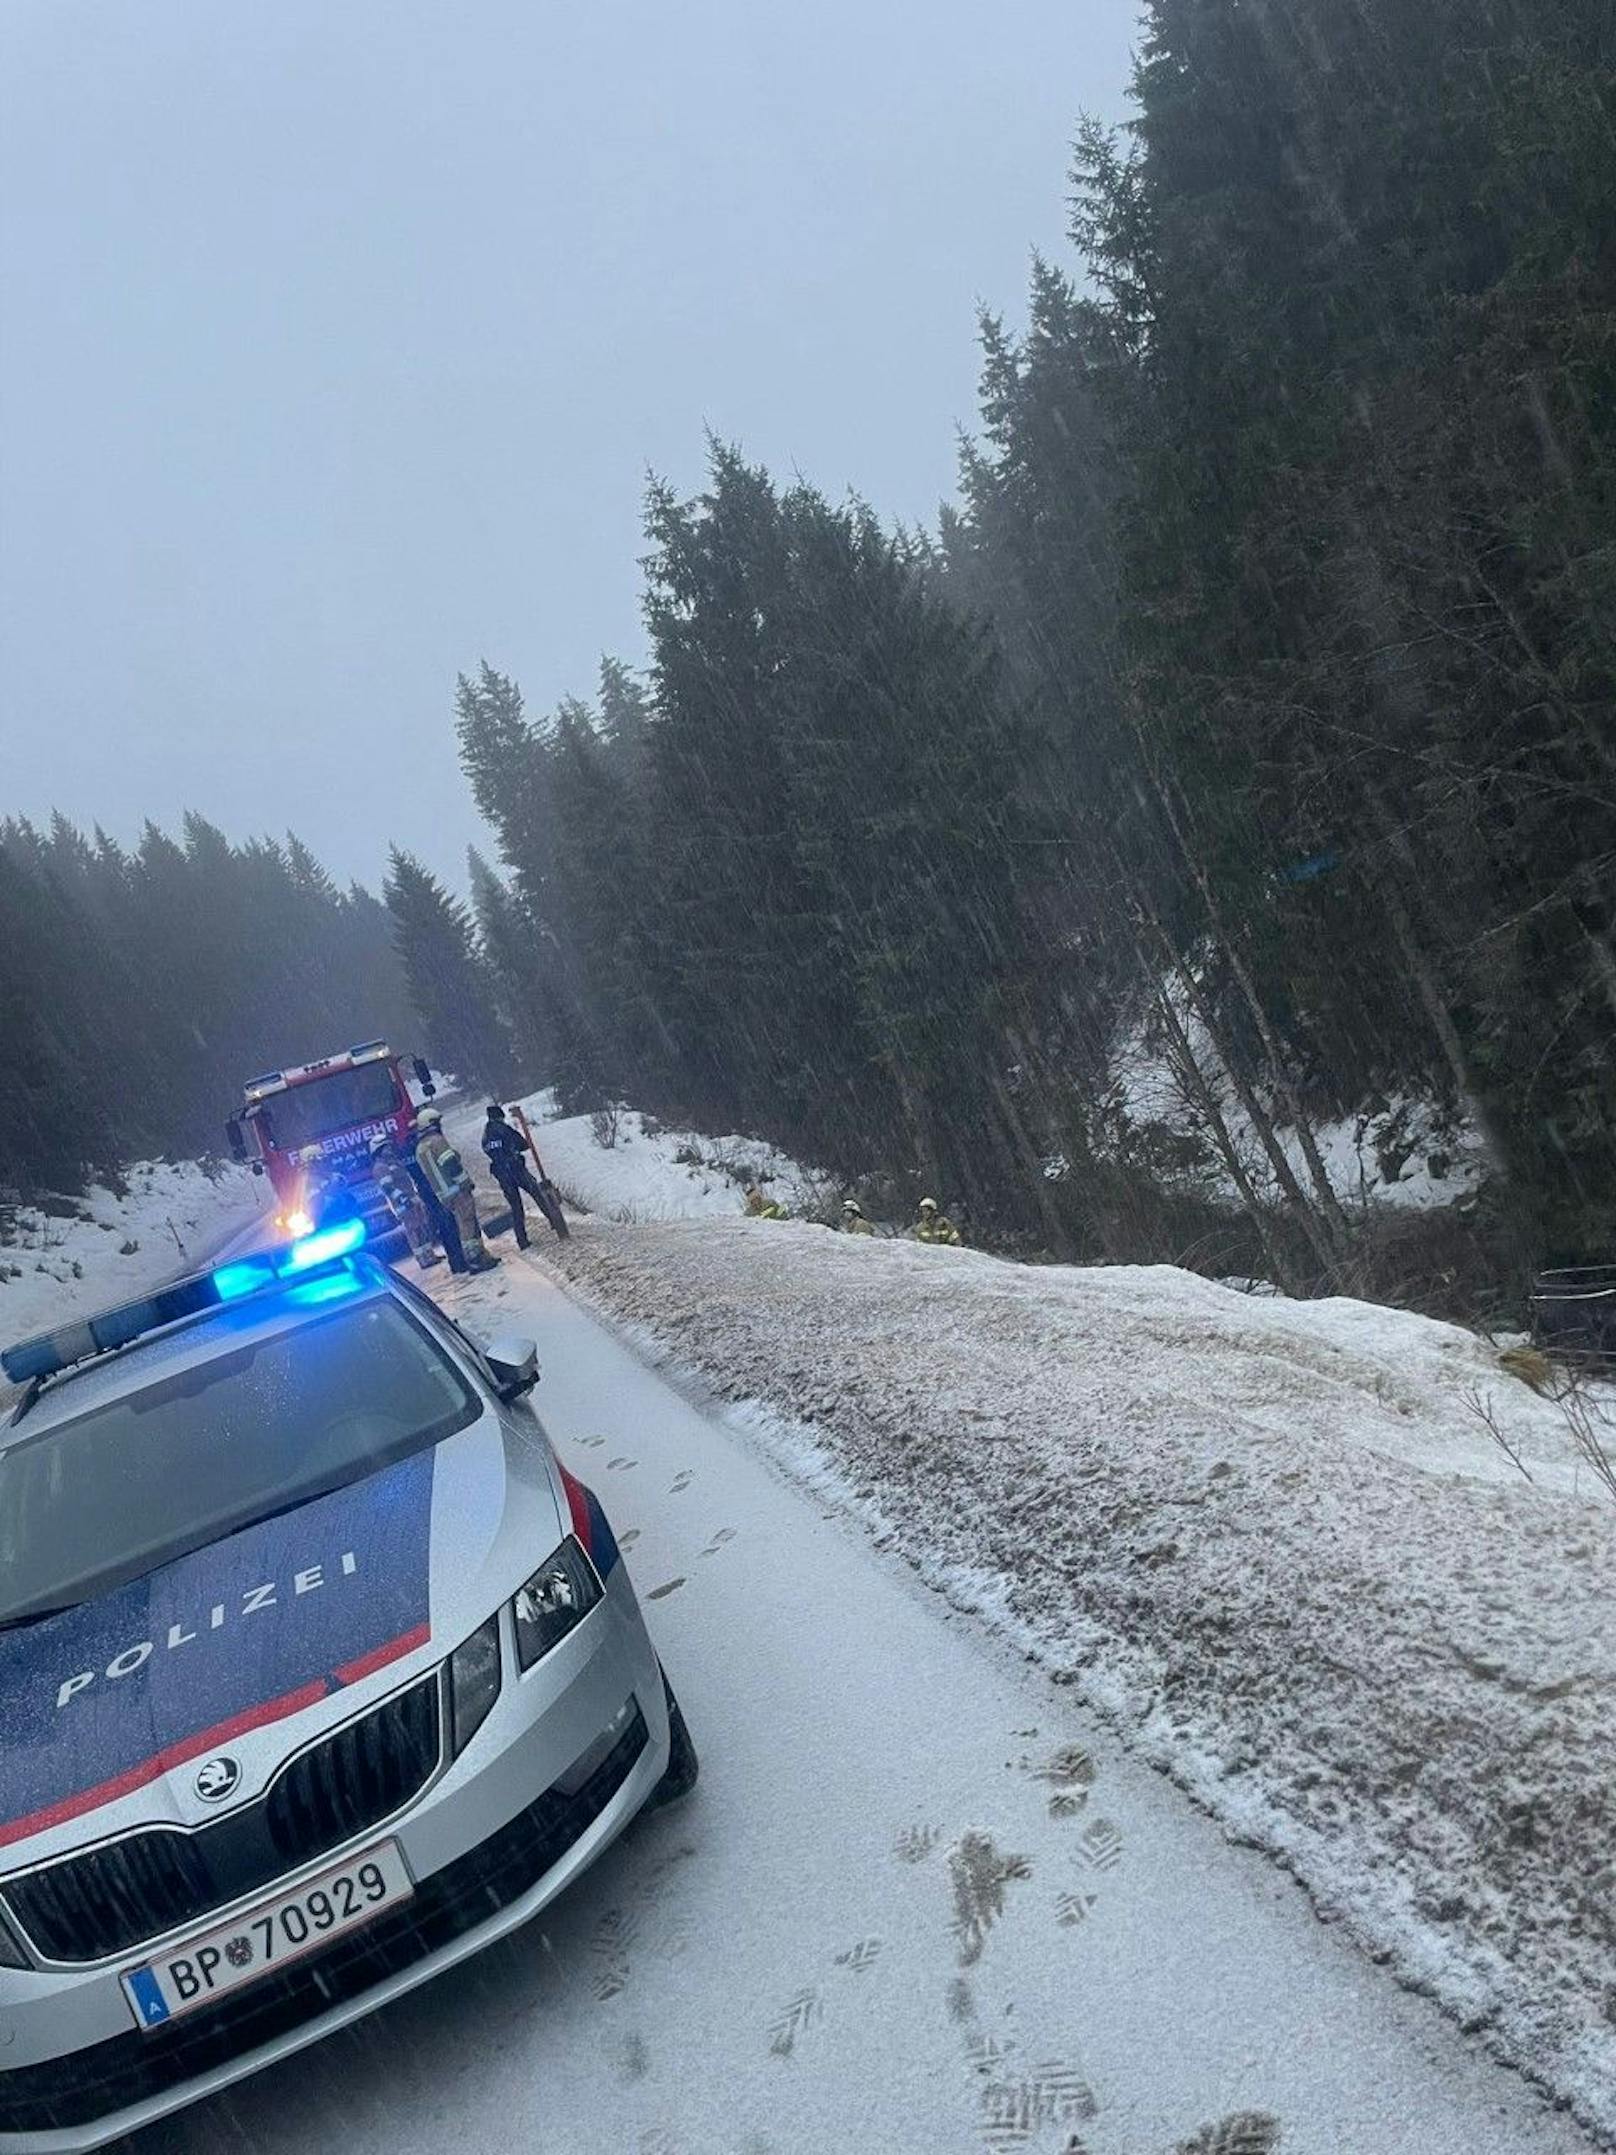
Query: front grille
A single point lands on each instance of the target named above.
(107, 1900)
(99, 1903)
(359, 1775)
(109, 2077)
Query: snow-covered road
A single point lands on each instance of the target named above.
(919, 1902)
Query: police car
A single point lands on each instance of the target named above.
(319, 1671)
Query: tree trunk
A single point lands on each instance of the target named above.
(1431, 997)
(1335, 1220)
(1030, 1163)
(1256, 1114)
(1189, 1071)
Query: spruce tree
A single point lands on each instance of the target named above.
(625, 716)
(447, 980)
(175, 974)
(1366, 558)
(60, 1122)
(508, 946)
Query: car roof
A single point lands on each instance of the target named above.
(187, 1344)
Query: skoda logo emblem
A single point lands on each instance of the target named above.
(219, 1778)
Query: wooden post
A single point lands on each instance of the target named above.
(527, 1134)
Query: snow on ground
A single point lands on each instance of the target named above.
(646, 1172)
(173, 1217)
(921, 1903)
(1273, 1540)
(1404, 1153)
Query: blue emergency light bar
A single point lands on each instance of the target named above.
(51, 1352)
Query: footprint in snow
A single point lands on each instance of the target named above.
(793, 2021)
(681, 1481)
(629, 1536)
(658, 1593)
(724, 1535)
(613, 1465)
(861, 1956)
(1069, 1767)
(1014, 2112)
(614, 1934)
(1101, 1845)
(986, 2053)
(1247, 2132)
(979, 1873)
(915, 1843)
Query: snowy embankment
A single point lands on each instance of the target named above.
(621, 1167)
(1274, 1540)
(173, 1216)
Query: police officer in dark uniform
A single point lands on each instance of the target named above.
(508, 1157)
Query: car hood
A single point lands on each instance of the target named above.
(271, 1623)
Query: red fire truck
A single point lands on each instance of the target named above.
(315, 1123)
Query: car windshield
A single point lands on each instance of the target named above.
(305, 1113)
(213, 1447)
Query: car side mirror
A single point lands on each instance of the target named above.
(238, 1144)
(515, 1363)
(424, 1078)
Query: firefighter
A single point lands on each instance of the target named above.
(853, 1220)
(392, 1178)
(446, 1176)
(759, 1207)
(935, 1226)
(438, 1173)
(441, 1219)
(508, 1157)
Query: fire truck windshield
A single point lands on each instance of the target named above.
(303, 1114)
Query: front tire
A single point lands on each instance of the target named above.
(684, 1767)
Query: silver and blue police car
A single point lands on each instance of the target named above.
(318, 1671)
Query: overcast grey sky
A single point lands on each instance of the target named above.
(338, 336)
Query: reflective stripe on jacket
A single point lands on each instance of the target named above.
(442, 1166)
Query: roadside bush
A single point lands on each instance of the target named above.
(1469, 1263)
(606, 1124)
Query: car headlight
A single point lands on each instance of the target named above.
(473, 1683)
(560, 1594)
